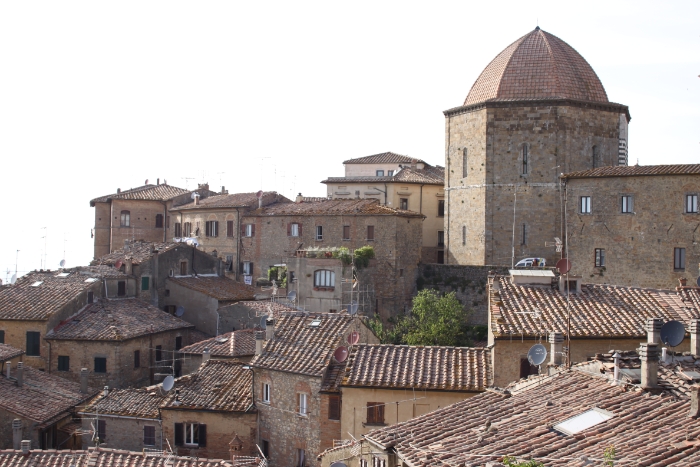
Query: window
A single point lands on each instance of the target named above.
(380, 173)
(404, 204)
(178, 342)
(441, 256)
(333, 407)
(102, 430)
(375, 413)
(186, 229)
(266, 448)
(370, 232)
(191, 434)
(33, 344)
(266, 393)
(346, 232)
(211, 228)
(599, 257)
(183, 268)
(90, 297)
(247, 268)
(596, 157)
(364, 463)
(678, 261)
(324, 278)
(627, 204)
(302, 408)
(2, 337)
(159, 221)
(100, 365)
(248, 230)
(137, 359)
(441, 238)
(585, 205)
(464, 162)
(121, 288)
(523, 240)
(144, 283)
(377, 462)
(390, 173)
(229, 229)
(159, 353)
(126, 219)
(229, 262)
(178, 229)
(293, 230)
(691, 204)
(319, 232)
(464, 235)
(149, 435)
(63, 363)
(526, 159)
(301, 458)
(441, 208)
(583, 421)
(526, 369)
(400, 272)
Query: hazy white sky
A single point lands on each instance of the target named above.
(100, 95)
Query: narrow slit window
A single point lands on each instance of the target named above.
(526, 159)
(464, 163)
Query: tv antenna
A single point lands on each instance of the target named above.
(187, 181)
(556, 243)
(44, 265)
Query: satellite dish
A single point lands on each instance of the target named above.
(537, 354)
(353, 338)
(338, 464)
(263, 324)
(259, 194)
(179, 311)
(672, 333)
(118, 264)
(291, 296)
(146, 183)
(563, 266)
(341, 354)
(168, 383)
(13, 279)
(62, 263)
(352, 309)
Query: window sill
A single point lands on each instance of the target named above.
(304, 416)
(679, 270)
(373, 424)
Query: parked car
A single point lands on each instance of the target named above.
(530, 262)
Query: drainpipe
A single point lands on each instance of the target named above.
(446, 219)
(420, 205)
(49, 342)
(165, 222)
(386, 190)
(238, 243)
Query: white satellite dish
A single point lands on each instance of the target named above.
(179, 311)
(168, 383)
(291, 296)
(352, 309)
(13, 279)
(62, 263)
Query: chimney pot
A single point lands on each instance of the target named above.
(26, 446)
(259, 338)
(653, 327)
(84, 380)
(695, 336)
(157, 181)
(206, 355)
(105, 391)
(556, 340)
(16, 433)
(649, 355)
(299, 198)
(269, 329)
(20, 374)
(8, 365)
(119, 190)
(694, 401)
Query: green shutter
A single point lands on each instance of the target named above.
(144, 283)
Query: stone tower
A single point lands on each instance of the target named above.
(536, 111)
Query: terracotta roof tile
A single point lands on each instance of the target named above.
(418, 367)
(145, 192)
(141, 402)
(100, 457)
(636, 171)
(235, 200)
(262, 307)
(220, 288)
(536, 66)
(383, 158)
(331, 207)
(138, 251)
(7, 352)
(116, 320)
(232, 344)
(429, 175)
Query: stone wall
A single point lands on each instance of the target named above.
(200, 309)
(122, 433)
(142, 224)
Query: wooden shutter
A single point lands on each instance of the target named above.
(207, 229)
(102, 430)
(334, 407)
(179, 434)
(346, 232)
(229, 228)
(242, 230)
(240, 267)
(289, 229)
(300, 230)
(202, 436)
(370, 232)
(252, 230)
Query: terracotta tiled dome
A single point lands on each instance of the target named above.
(536, 66)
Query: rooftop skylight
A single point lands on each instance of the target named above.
(90, 279)
(37, 283)
(315, 323)
(63, 274)
(587, 419)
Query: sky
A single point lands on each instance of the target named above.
(96, 96)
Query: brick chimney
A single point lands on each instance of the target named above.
(196, 199)
(84, 380)
(556, 341)
(269, 329)
(694, 401)
(649, 355)
(16, 433)
(20, 374)
(653, 327)
(259, 338)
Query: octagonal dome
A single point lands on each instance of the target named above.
(537, 66)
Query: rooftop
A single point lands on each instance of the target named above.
(220, 288)
(636, 171)
(139, 252)
(429, 175)
(332, 207)
(417, 367)
(146, 193)
(235, 200)
(116, 320)
(597, 311)
(132, 402)
(232, 344)
(383, 158)
(7, 352)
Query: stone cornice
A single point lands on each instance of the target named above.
(604, 106)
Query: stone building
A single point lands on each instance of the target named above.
(527, 307)
(248, 314)
(296, 421)
(238, 346)
(634, 225)
(400, 182)
(536, 111)
(138, 214)
(9, 354)
(122, 343)
(41, 300)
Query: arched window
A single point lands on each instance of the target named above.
(526, 159)
(464, 162)
(324, 278)
(159, 221)
(596, 157)
(126, 219)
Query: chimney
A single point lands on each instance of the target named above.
(299, 198)
(259, 338)
(694, 401)
(235, 447)
(653, 327)
(649, 355)
(8, 365)
(105, 391)
(119, 190)
(695, 336)
(556, 340)
(16, 433)
(84, 380)
(20, 374)
(414, 163)
(269, 329)
(206, 355)
(157, 181)
(128, 266)
(26, 446)
(683, 281)
(196, 199)
(223, 190)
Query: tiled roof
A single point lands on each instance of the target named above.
(538, 65)
(331, 207)
(138, 251)
(418, 367)
(42, 397)
(132, 402)
(103, 271)
(146, 193)
(232, 344)
(263, 307)
(383, 158)
(100, 457)
(646, 430)
(25, 301)
(333, 377)
(7, 352)
(220, 385)
(300, 348)
(235, 200)
(598, 311)
(429, 175)
(220, 288)
(636, 171)
(116, 320)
